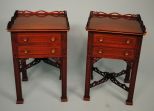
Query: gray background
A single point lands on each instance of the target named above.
(43, 90)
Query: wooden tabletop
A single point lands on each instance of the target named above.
(115, 23)
(39, 21)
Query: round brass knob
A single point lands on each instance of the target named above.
(26, 51)
(53, 51)
(100, 40)
(128, 42)
(126, 54)
(100, 51)
(25, 40)
(52, 39)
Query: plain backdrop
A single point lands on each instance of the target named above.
(43, 90)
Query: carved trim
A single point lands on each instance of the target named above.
(116, 82)
(141, 24)
(65, 13)
(120, 73)
(41, 13)
(34, 62)
(116, 15)
(109, 76)
(29, 65)
(11, 22)
(55, 62)
(95, 83)
(113, 15)
(95, 69)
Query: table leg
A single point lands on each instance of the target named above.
(129, 100)
(128, 71)
(17, 81)
(24, 70)
(87, 80)
(60, 76)
(92, 76)
(63, 71)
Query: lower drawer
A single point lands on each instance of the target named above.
(114, 53)
(38, 52)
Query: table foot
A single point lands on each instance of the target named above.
(20, 101)
(129, 102)
(64, 99)
(24, 79)
(86, 98)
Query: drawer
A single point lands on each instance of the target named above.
(38, 51)
(115, 40)
(114, 53)
(40, 38)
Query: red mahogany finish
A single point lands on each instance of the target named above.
(114, 36)
(42, 36)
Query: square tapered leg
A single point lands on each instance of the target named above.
(17, 81)
(64, 79)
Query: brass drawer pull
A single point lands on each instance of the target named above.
(126, 53)
(100, 51)
(101, 40)
(25, 40)
(53, 51)
(128, 42)
(52, 39)
(26, 51)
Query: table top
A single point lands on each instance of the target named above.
(115, 23)
(39, 21)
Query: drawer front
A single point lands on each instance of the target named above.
(38, 52)
(114, 53)
(33, 38)
(115, 40)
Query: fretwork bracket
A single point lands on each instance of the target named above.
(109, 76)
(54, 62)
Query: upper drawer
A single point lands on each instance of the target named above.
(40, 38)
(115, 40)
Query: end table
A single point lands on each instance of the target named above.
(41, 36)
(113, 36)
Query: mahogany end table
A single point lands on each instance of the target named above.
(41, 36)
(114, 36)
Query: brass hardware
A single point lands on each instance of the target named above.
(100, 51)
(100, 40)
(53, 51)
(126, 54)
(25, 40)
(128, 42)
(52, 39)
(26, 51)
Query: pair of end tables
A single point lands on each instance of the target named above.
(42, 36)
